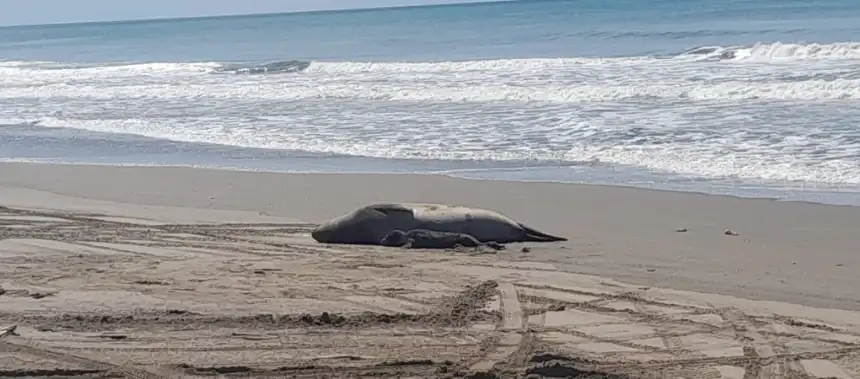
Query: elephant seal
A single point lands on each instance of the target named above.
(369, 224)
(431, 239)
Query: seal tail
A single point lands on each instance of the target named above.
(537, 236)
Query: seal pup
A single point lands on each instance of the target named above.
(368, 225)
(430, 239)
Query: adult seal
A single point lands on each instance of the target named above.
(370, 224)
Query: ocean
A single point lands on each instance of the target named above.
(756, 98)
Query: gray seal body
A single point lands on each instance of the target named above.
(370, 224)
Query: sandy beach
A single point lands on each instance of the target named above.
(172, 272)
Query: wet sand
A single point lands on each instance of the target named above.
(168, 272)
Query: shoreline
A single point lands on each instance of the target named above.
(455, 174)
(786, 251)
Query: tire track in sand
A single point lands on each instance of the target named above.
(513, 346)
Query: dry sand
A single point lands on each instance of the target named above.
(171, 272)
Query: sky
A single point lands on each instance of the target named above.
(29, 12)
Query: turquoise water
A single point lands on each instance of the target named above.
(751, 98)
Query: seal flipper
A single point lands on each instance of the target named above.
(537, 236)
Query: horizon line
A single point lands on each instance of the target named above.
(257, 14)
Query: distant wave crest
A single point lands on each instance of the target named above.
(253, 68)
(776, 52)
(277, 67)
